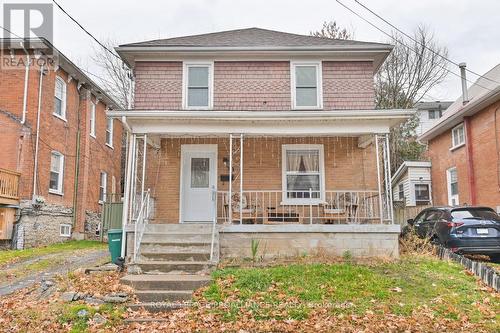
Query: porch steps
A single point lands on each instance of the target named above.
(174, 260)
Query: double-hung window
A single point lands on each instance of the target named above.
(458, 136)
(103, 183)
(60, 98)
(452, 180)
(92, 119)
(422, 193)
(303, 174)
(198, 85)
(109, 132)
(401, 192)
(306, 85)
(56, 173)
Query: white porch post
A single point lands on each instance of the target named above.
(381, 208)
(126, 194)
(389, 178)
(144, 151)
(230, 192)
(241, 178)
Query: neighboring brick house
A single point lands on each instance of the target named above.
(69, 160)
(271, 135)
(464, 147)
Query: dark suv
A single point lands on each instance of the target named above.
(468, 230)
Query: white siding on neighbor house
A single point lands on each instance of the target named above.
(425, 123)
(414, 175)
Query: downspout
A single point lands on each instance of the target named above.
(470, 161)
(35, 169)
(26, 77)
(77, 161)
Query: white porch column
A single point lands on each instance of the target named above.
(241, 178)
(389, 178)
(144, 151)
(379, 185)
(230, 192)
(126, 194)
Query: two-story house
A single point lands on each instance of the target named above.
(464, 147)
(59, 153)
(255, 136)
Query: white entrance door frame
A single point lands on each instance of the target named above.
(191, 149)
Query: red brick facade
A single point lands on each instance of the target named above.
(255, 85)
(17, 146)
(484, 131)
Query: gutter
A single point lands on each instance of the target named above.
(265, 115)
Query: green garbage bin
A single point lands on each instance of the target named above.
(115, 243)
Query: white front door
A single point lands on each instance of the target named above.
(198, 179)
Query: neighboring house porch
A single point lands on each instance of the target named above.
(301, 181)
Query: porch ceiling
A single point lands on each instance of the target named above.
(280, 123)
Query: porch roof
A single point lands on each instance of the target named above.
(332, 122)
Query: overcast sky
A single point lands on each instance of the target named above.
(469, 28)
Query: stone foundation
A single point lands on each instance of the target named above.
(297, 240)
(92, 223)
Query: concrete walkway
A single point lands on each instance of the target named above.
(59, 263)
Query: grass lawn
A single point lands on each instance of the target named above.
(11, 256)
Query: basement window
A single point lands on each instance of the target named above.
(65, 230)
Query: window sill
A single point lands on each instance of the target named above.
(307, 108)
(198, 108)
(56, 192)
(457, 146)
(110, 146)
(60, 117)
(92, 136)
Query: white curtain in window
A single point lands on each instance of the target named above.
(302, 161)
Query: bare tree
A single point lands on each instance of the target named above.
(412, 69)
(116, 81)
(332, 30)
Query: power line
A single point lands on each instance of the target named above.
(10, 32)
(421, 44)
(86, 31)
(408, 47)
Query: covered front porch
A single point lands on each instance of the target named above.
(259, 173)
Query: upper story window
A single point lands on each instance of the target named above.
(435, 114)
(198, 85)
(458, 136)
(306, 85)
(109, 132)
(56, 172)
(60, 98)
(92, 119)
(303, 173)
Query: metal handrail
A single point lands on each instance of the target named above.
(140, 223)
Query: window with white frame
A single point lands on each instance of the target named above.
(103, 182)
(56, 172)
(303, 173)
(452, 180)
(435, 114)
(109, 132)
(458, 136)
(92, 119)
(60, 98)
(422, 193)
(198, 83)
(401, 192)
(306, 85)
(65, 230)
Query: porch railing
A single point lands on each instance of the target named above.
(140, 223)
(302, 207)
(9, 186)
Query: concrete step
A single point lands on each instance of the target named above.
(175, 247)
(175, 255)
(154, 307)
(166, 281)
(163, 295)
(158, 267)
(160, 237)
(199, 228)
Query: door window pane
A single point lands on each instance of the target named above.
(200, 172)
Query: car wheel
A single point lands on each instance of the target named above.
(495, 257)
